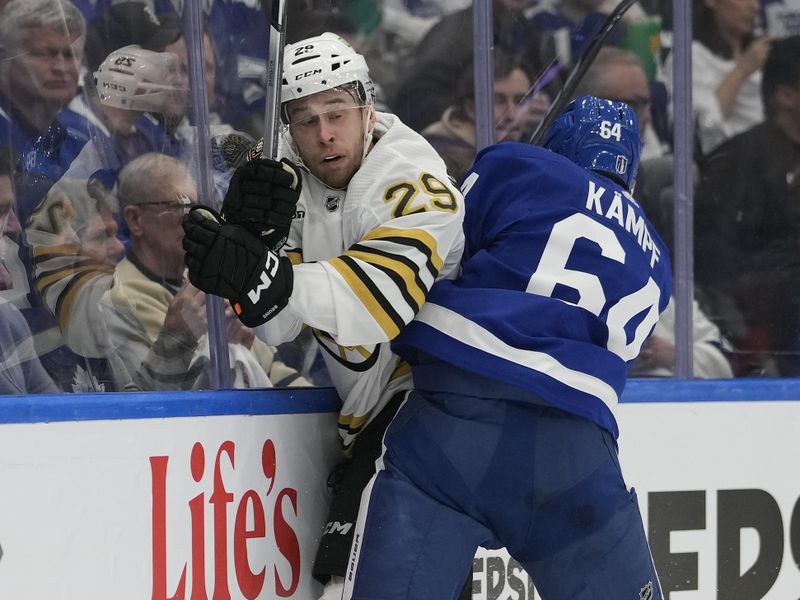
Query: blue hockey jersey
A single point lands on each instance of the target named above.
(562, 280)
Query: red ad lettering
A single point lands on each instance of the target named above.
(251, 540)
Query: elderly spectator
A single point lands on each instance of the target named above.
(156, 319)
(41, 47)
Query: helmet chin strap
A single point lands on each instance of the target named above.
(367, 131)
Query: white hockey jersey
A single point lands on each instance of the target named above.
(365, 258)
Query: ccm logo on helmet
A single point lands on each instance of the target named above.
(307, 74)
(267, 275)
(115, 86)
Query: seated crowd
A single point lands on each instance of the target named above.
(99, 163)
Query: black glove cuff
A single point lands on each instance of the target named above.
(268, 291)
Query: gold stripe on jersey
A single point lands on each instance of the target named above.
(400, 269)
(402, 368)
(353, 425)
(43, 253)
(67, 298)
(44, 282)
(295, 255)
(370, 296)
(419, 239)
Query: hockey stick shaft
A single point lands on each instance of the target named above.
(276, 13)
(579, 70)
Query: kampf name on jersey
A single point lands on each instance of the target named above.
(562, 280)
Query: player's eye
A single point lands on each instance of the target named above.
(308, 122)
(334, 116)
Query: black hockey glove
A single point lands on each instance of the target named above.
(262, 197)
(229, 261)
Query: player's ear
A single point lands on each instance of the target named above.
(132, 215)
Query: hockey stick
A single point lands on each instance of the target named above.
(232, 150)
(579, 70)
(275, 10)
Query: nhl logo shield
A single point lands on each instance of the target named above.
(332, 203)
(646, 593)
(622, 164)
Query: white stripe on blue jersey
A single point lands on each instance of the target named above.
(562, 279)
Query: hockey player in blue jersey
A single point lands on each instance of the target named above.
(509, 438)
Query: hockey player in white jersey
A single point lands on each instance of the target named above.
(509, 437)
(369, 220)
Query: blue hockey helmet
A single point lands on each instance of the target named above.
(599, 135)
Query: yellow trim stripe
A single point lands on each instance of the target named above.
(419, 235)
(64, 304)
(402, 368)
(365, 295)
(45, 281)
(295, 256)
(57, 251)
(352, 423)
(404, 271)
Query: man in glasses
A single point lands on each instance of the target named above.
(617, 74)
(158, 318)
(372, 221)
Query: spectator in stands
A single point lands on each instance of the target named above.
(617, 74)
(709, 349)
(726, 69)
(41, 47)
(72, 236)
(446, 52)
(181, 129)
(20, 369)
(156, 319)
(747, 257)
(21, 372)
(11, 270)
(453, 135)
(120, 100)
(181, 124)
(239, 38)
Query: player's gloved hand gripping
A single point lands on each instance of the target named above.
(262, 197)
(229, 261)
